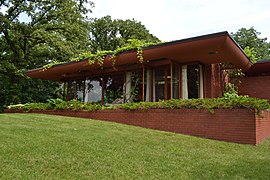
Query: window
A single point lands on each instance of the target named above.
(113, 90)
(193, 80)
(166, 82)
(94, 90)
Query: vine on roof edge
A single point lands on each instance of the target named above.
(99, 57)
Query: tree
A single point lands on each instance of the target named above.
(108, 34)
(54, 30)
(257, 48)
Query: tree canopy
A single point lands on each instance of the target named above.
(108, 34)
(35, 33)
(52, 30)
(255, 47)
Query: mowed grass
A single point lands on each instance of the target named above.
(35, 146)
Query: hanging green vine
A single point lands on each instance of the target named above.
(99, 57)
(50, 65)
(233, 74)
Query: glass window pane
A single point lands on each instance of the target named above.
(94, 90)
(175, 81)
(114, 89)
(159, 83)
(193, 73)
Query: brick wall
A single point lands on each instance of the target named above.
(213, 85)
(262, 126)
(255, 86)
(232, 125)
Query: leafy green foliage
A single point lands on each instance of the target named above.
(108, 34)
(251, 53)
(230, 92)
(52, 32)
(227, 102)
(99, 56)
(213, 103)
(109, 38)
(256, 48)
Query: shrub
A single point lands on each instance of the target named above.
(226, 102)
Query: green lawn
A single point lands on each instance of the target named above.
(34, 146)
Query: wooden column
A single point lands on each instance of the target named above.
(171, 85)
(143, 79)
(102, 91)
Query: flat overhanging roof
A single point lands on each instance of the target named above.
(207, 49)
(260, 68)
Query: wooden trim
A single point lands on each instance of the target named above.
(102, 91)
(191, 63)
(166, 84)
(103, 72)
(171, 85)
(159, 63)
(180, 81)
(143, 79)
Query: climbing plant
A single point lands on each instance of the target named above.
(99, 57)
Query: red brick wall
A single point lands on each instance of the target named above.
(255, 86)
(262, 126)
(213, 85)
(233, 125)
(207, 81)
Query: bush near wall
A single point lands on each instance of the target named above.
(210, 104)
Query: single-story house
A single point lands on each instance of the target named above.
(187, 68)
(196, 67)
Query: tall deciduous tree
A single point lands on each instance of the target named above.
(108, 34)
(33, 33)
(257, 48)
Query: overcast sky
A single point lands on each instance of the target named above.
(178, 19)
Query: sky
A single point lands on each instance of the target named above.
(178, 19)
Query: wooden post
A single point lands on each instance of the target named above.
(143, 84)
(171, 90)
(102, 91)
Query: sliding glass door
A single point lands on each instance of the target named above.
(166, 82)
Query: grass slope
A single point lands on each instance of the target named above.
(54, 147)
